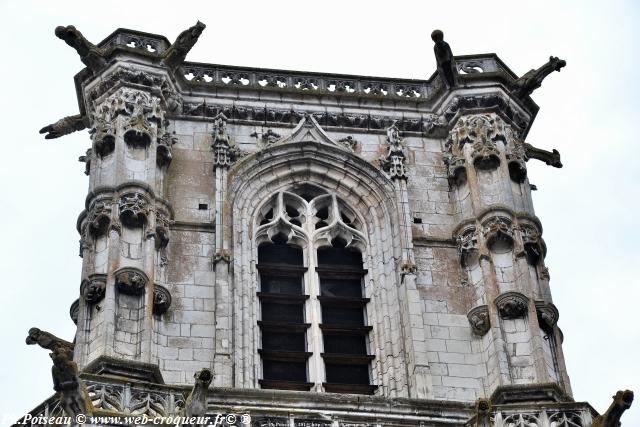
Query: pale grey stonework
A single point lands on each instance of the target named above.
(185, 157)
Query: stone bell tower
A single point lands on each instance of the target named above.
(323, 249)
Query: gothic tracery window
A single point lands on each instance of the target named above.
(313, 319)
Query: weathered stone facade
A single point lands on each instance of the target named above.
(194, 166)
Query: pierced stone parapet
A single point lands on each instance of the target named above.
(74, 310)
(133, 209)
(548, 315)
(479, 319)
(131, 281)
(93, 288)
(512, 305)
(161, 299)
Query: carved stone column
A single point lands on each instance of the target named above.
(394, 164)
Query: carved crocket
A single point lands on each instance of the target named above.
(177, 52)
(91, 55)
(621, 402)
(66, 382)
(196, 404)
(532, 80)
(444, 59)
(65, 126)
(47, 340)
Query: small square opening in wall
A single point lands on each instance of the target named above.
(203, 206)
(417, 220)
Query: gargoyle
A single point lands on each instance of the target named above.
(66, 382)
(444, 59)
(90, 55)
(532, 80)
(196, 404)
(551, 158)
(621, 402)
(177, 52)
(65, 126)
(47, 340)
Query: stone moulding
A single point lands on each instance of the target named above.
(512, 305)
(161, 299)
(548, 315)
(92, 289)
(479, 319)
(131, 281)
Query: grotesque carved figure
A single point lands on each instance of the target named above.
(67, 383)
(65, 126)
(532, 80)
(393, 162)
(177, 52)
(196, 404)
(90, 55)
(621, 402)
(47, 340)
(444, 59)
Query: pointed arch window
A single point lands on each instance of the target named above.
(313, 327)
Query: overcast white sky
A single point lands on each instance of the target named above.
(588, 112)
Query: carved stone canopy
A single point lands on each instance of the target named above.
(161, 299)
(498, 233)
(467, 241)
(134, 210)
(479, 319)
(131, 281)
(512, 305)
(93, 288)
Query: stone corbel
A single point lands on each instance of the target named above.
(131, 281)
(133, 209)
(479, 319)
(548, 315)
(512, 305)
(93, 288)
(99, 218)
(161, 299)
(74, 310)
